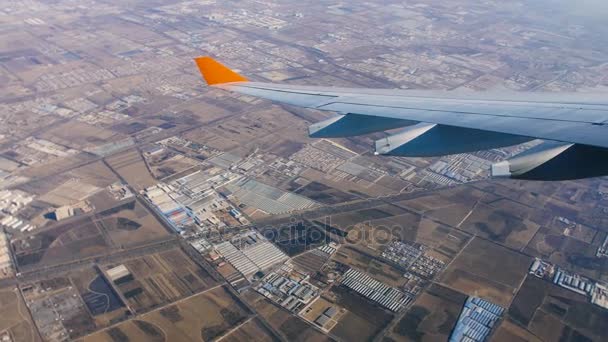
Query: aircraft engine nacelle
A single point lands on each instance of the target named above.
(429, 140)
(555, 161)
(349, 125)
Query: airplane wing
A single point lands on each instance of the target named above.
(575, 126)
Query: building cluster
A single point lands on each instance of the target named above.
(201, 244)
(250, 253)
(318, 159)
(599, 295)
(541, 269)
(6, 262)
(461, 168)
(33, 151)
(11, 201)
(375, 291)
(602, 250)
(120, 191)
(414, 258)
(287, 288)
(401, 253)
(192, 201)
(573, 282)
(5, 336)
(476, 320)
(597, 292)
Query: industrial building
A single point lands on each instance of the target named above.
(118, 273)
(64, 212)
(599, 296)
(573, 282)
(267, 198)
(541, 269)
(476, 320)
(326, 316)
(287, 288)
(374, 290)
(250, 252)
(192, 200)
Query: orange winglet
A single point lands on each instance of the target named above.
(216, 73)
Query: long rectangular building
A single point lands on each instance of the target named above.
(374, 290)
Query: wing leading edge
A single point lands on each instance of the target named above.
(439, 123)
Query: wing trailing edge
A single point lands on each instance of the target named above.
(574, 125)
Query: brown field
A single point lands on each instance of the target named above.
(500, 225)
(376, 215)
(554, 313)
(211, 139)
(432, 317)
(78, 238)
(358, 188)
(132, 168)
(551, 244)
(293, 328)
(79, 135)
(97, 174)
(487, 270)
(201, 317)
(56, 165)
(533, 194)
(457, 201)
(169, 164)
(127, 224)
(15, 317)
(161, 278)
(363, 319)
(70, 192)
(510, 332)
(130, 224)
(253, 330)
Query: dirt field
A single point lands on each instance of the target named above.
(500, 225)
(552, 312)
(97, 174)
(170, 163)
(202, 317)
(363, 319)
(72, 240)
(132, 168)
(253, 330)
(161, 278)
(70, 192)
(432, 317)
(570, 252)
(511, 332)
(79, 135)
(18, 322)
(130, 224)
(487, 270)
